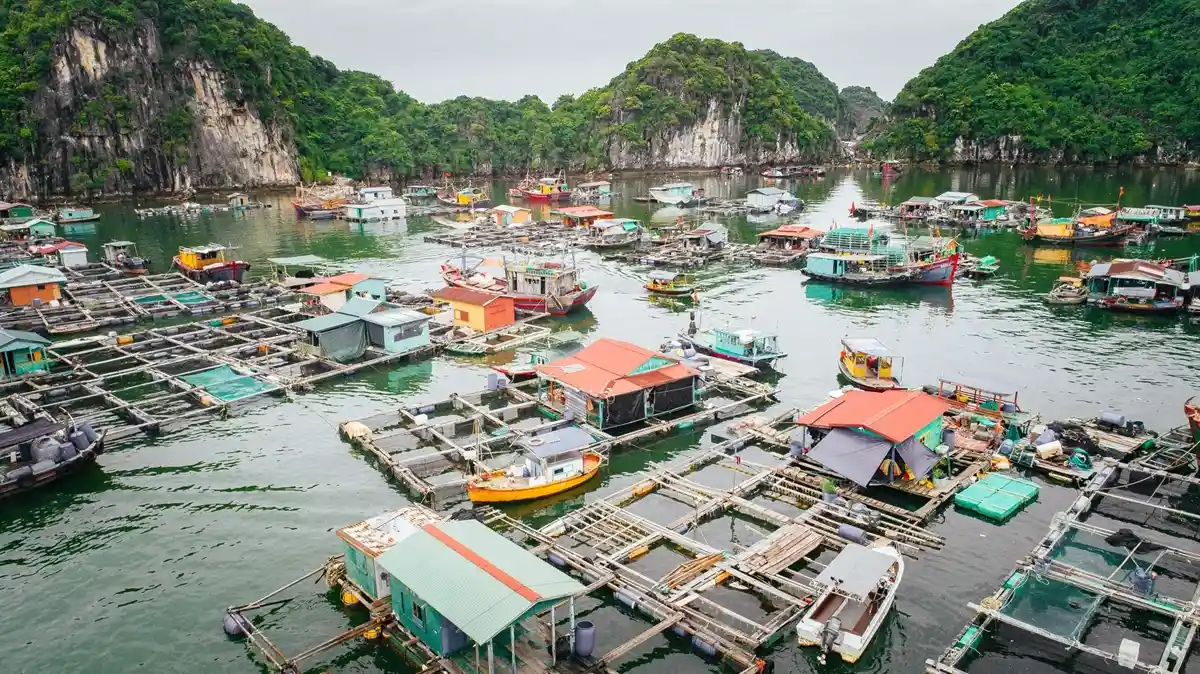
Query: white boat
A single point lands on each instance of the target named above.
(375, 203)
(673, 194)
(857, 590)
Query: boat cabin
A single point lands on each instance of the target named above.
(196, 258)
(71, 214)
(509, 216)
(239, 200)
(365, 542)
(850, 267)
(870, 361)
(874, 438)
(745, 343)
(601, 188)
(1137, 285)
(765, 198)
(1170, 214)
(581, 216)
(709, 237)
(470, 196)
(16, 213)
(496, 584)
(664, 280)
(610, 384)
(547, 278)
(918, 207)
(28, 285)
(550, 187)
(65, 254)
(115, 251)
(953, 198)
(420, 191)
(480, 311)
(553, 455)
(22, 353)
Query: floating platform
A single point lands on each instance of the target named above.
(996, 496)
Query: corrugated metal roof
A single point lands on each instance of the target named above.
(793, 232)
(326, 322)
(895, 415)
(477, 579)
(26, 275)
(8, 337)
(606, 367)
(349, 278)
(359, 306)
(768, 191)
(583, 212)
(466, 296)
(398, 316)
(325, 288)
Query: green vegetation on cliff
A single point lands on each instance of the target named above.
(356, 123)
(861, 109)
(814, 92)
(1093, 80)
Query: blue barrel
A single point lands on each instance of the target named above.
(556, 560)
(77, 438)
(232, 627)
(66, 452)
(628, 600)
(1008, 408)
(948, 436)
(678, 631)
(852, 533)
(89, 432)
(704, 647)
(585, 638)
(1006, 447)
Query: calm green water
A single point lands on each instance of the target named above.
(129, 567)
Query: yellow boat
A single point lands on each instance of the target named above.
(554, 462)
(868, 364)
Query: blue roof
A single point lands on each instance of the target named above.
(555, 443)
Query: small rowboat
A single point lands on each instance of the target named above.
(1066, 291)
(858, 589)
(554, 462)
(984, 268)
(868, 363)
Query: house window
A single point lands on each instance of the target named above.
(461, 315)
(418, 613)
(41, 287)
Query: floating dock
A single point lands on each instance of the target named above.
(1122, 547)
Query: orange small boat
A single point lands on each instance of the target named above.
(554, 462)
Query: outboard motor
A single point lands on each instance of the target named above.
(829, 636)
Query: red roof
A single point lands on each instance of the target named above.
(466, 296)
(583, 212)
(349, 278)
(893, 415)
(793, 232)
(326, 288)
(992, 203)
(604, 368)
(54, 248)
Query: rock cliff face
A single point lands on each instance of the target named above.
(116, 117)
(717, 139)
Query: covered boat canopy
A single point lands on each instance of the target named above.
(992, 387)
(869, 346)
(856, 571)
(566, 440)
(31, 431)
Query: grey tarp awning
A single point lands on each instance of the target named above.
(855, 571)
(852, 455)
(919, 458)
(869, 346)
(557, 442)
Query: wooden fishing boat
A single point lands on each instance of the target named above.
(471, 197)
(547, 287)
(746, 346)
(420, 192)
(43, 451)
(1138, 286)
(983, 398)
(868, 364)
(858, 589)
(674, 284)
(557, 345)
(1067, 290)
(547, 189)
(124, 256)
(985, 267)
(210, 264)
(1193, 416)
(852, 268)
(1066, 232)
(553, 462)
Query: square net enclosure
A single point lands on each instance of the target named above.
(225, 384)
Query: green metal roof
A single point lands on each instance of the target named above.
(475, 599)
(326, 322)
(359, 306)
(14, 339)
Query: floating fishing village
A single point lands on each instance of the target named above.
(576, 497)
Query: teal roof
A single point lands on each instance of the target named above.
(480, 602)
(359, 306)
(11, 340)
(326, 322)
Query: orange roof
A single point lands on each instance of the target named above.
(893, 415)
(583, 212)
(605, 368)
(326, 288)
(349, 278)
(466, 296)
(992, 203)
(793, 232)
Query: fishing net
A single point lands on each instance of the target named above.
(191, 297)
(1052, 606)
(226, 385)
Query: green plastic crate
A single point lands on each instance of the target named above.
(997, 497)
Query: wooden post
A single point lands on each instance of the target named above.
(572, 635)
(512, 645)
(553, 639)
(491, 660)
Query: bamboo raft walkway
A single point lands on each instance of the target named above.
(1074, 557)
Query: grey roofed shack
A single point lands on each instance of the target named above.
(558, 442)
(855, 456)
(855, 571)
(869, 346)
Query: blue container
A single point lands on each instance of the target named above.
(585, 638)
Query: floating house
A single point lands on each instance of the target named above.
(581, 216)
(765, 198)
(508, 216)
(332, 296)
(790, 237)
(874, 438)
(22, 353)
(65, 253)
(614, 233)
(362, 323)
(27, 285)
(72, 214)
(707, 238)
(1137, 285)
(480, 311)
(611, 384)
(602, 189)
(673, 194)
(953, 198)
(239, 200)
(15, 213)
(991, 210)
(496, 585)
(375, 203)
(366, 541)
(918, 207)
(361, 285)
